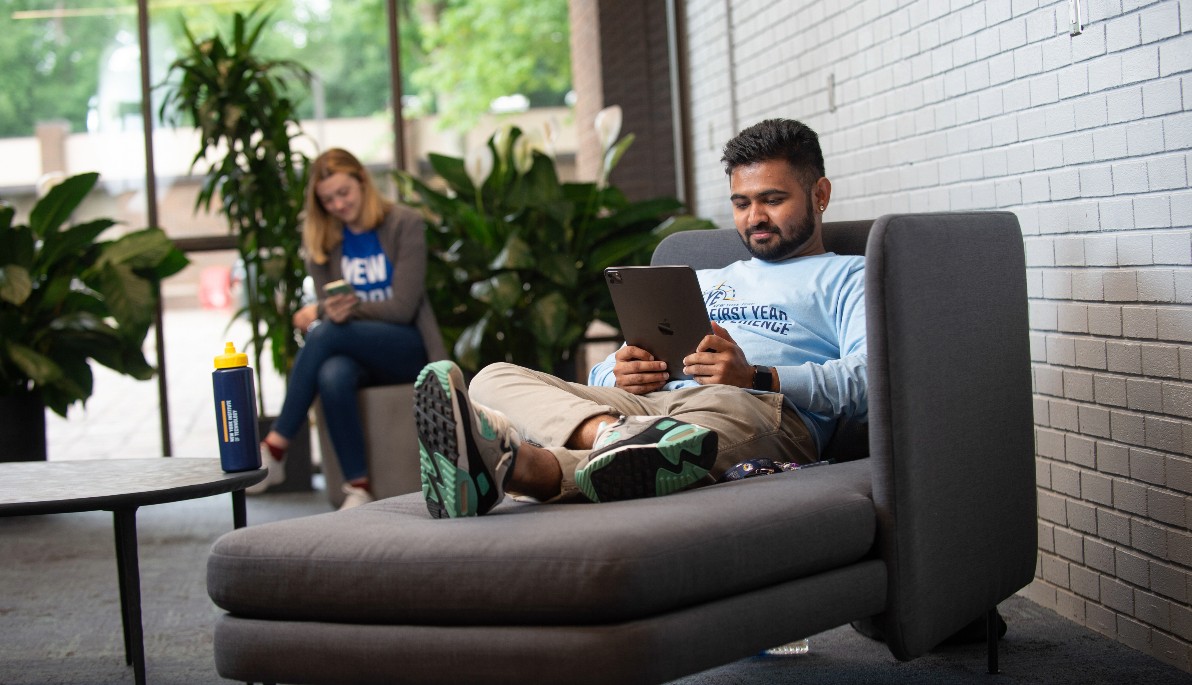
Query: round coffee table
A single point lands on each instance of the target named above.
(120, 486)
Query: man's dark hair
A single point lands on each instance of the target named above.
(771, 139)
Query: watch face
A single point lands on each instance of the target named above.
(762, 378)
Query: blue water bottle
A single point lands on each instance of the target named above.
(236, 411)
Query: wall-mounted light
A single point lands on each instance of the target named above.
(1074, 16)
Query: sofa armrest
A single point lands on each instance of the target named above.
(951, 427)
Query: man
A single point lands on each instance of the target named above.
(785, 361)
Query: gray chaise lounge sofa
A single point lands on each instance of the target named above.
(928, 533)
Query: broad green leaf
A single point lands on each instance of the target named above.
(548, 317)
(55, 208)
(647, 211)
(130, 298)
(17, 246)
(614, 154)
(683, 222)
(15, 284)
(500, 292)
(560, 269)
(69, 242)
(141, 249)
(39, 368)
(515, 255)
(451, 169)
(467, 347)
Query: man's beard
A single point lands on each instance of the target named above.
(785, 247)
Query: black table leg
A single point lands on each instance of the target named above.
(129, 573)
(239, 515)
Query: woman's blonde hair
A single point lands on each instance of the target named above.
(321, 232)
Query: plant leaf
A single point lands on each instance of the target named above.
(15, 284)
(548, 316)
(63, 244)
(467, 347)
(452, 170)
(516, 254)
(500, 293)
(40, 369)
(55, 208)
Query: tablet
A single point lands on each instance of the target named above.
(661, 310)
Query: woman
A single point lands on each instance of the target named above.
(368, 335)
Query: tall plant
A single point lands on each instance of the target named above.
(239, 102)
(517, 255)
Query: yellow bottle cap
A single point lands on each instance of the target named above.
(231, 359)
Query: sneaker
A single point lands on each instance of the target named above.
(276, 475)
(354, 497)
(645, 456)
(465, 450)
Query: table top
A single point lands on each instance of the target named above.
(55, 487)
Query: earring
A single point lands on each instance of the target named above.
(822, 208)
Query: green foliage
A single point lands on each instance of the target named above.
(67, 298)
(239, 102)
(50, 67)
(457, 56)
(515, 272)
(478, 50)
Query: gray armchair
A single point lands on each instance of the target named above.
(925, 535)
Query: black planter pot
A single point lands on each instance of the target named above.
(22, 427)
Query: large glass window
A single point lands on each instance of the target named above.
(72, 103)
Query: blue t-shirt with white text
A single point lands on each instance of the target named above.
(366, 267)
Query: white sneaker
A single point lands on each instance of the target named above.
(354, 497)
(276, 475)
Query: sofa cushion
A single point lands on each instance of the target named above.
(562, 564)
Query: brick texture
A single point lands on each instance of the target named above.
(620, 57)
(930, 105)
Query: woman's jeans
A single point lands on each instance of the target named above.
(336, 361)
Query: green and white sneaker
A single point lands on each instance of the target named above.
(645, 456)
(465, 450)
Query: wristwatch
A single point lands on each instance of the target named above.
(763, 378)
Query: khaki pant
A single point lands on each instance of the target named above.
(547, 410)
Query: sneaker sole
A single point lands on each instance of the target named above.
(684, 456)
(444, 428)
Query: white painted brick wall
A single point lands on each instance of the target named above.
(969, 104)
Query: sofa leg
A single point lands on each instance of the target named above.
(991, 630)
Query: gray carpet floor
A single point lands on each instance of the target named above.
(60, 615)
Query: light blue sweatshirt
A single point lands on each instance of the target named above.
(804, 316)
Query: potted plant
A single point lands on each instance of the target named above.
(516, 255)
(68, 298)
(238, 101)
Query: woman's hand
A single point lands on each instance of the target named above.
(718, 359)
(339, 308)
(637, 372)
(305, 316)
